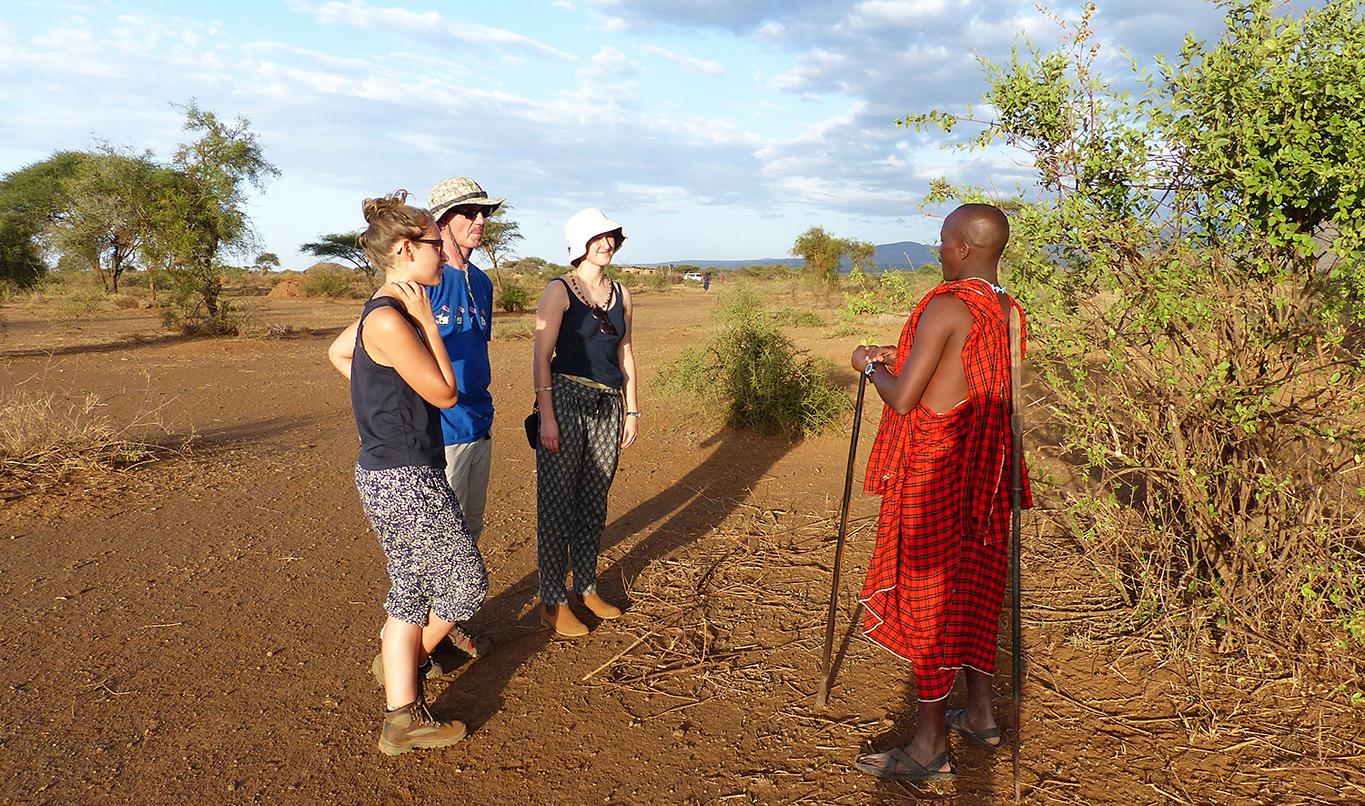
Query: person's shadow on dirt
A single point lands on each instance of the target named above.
(686, 511)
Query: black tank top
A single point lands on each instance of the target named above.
(397, 427)
(582, 348)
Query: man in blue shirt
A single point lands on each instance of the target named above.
(463, 306)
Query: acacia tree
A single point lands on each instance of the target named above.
(861, 254)
(31, 200)
(342, 246)
(499, 235)
(821, 253)
(108, 200)
(267, 260)
(1194, 276)
(201, 212)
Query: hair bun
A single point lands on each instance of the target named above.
(377, 208)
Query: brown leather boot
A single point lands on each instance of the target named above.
(562, 620)
(601, 607)
(413, 726)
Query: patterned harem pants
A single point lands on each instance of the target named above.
(572, 487)
(433, 564)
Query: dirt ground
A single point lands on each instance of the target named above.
(200, 628)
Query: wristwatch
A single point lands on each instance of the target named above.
(869, 369)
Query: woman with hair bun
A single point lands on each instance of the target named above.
(400, 375)
(584, 374)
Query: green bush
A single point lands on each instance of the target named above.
(658, 280)
(797, 317)
(331, 284)
(513, 297)
(1198, 344)
(889, 292)
(763, 382)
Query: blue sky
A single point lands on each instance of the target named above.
(713, 129)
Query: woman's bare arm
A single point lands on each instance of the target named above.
(549, 316)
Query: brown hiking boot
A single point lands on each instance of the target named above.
(413, 726)
(429, 669)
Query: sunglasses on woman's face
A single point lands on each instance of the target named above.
(436, 242)
(603, 323)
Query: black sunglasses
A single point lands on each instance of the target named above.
(471, 212)
(603, 323)
(436, 242)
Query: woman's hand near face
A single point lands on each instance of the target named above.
(414, 298)
(630, 429)
(549, 432)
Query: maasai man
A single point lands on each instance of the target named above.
(941, 464)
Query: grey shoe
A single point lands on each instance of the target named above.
(412, 727)
(471, 644)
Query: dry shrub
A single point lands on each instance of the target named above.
(522, 327)
(1223, 494)
(45, 440)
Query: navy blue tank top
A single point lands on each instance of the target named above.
(397, 427)
(582, 348)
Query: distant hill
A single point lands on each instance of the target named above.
(897, 256)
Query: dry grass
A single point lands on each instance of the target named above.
(45, 440)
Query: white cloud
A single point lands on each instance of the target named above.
(427, 26)
(683, 60)
(901, 12)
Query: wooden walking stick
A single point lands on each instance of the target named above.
(822, 695)
(1016, 515)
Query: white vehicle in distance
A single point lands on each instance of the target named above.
(692, 277)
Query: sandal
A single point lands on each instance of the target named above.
(956, 720)
(897, 765)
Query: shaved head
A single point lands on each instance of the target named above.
(983, 227)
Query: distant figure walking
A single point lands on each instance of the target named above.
(937, 577)
(400, 377)
(583, 363)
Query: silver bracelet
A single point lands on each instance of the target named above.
(545, 388)
(632, 414)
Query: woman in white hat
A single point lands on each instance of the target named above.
(583, 368)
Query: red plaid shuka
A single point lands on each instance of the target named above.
(937, 576)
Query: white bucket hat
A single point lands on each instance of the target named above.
(458, 191)
(585, 225)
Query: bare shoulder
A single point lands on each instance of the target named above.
(554, 297)
(947, 309)
(385, 321)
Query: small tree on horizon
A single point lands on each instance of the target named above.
(499, 234)
(821, 253)
(342, 246)
(267, 261)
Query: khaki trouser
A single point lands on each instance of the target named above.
(467, 468)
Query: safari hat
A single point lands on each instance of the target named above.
(585, 225)
(457, 191)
